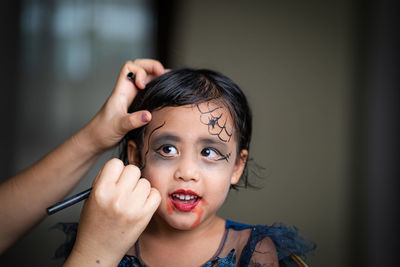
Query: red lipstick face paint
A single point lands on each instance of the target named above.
(169, 206)
(184, 200)
(199, 211)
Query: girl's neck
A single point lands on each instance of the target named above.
(189, 247)
(161, 230)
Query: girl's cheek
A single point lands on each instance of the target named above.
(154, 166)
(214, 165)
(157, 160)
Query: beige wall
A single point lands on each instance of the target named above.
(294, 63)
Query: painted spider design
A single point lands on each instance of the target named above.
(215, 118)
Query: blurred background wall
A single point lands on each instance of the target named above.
(321, 77)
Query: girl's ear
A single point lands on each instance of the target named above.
(239, 166)
(133, 153)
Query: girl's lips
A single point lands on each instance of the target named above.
(184, 200)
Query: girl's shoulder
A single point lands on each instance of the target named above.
(261, 240)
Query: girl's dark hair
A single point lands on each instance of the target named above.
(186, 86)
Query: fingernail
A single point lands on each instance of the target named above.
(145, 118)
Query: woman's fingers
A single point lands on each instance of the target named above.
(134, 120)
(120, 195)
(113, 121)
(124, 87)
(139, 194)
(110, 173)
(104, 183)
(151, 66)
(123, 185)
(116, 213)
(128, 180)
(143, 69)
(153, 201)
(140, 75)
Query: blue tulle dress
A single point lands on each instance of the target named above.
(241, 245)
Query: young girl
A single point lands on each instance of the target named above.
(192, 152)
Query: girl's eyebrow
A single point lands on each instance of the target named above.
(213, 141)
(168, 137)
(165, 137)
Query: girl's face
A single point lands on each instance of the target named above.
(190, 155)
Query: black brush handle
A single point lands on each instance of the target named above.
(69, 202)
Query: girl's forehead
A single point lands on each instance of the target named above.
(211, 118)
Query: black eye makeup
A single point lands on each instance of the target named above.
(166, 146)
(148, 141)
(226, 157)
(214, 154)
(167, 151)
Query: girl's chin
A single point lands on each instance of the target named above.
(181, 222)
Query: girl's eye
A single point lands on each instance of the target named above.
(168, 150)
(210, 153)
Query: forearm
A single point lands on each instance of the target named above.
(26, 196)
(106, 259)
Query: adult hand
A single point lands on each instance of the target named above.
(118, 210)
(113, 121)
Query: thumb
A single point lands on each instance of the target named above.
(135, 120)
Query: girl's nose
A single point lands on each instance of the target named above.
(187, 170)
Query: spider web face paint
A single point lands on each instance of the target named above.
(216, 119)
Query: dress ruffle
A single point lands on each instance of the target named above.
(70, 230)
(287, 240)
